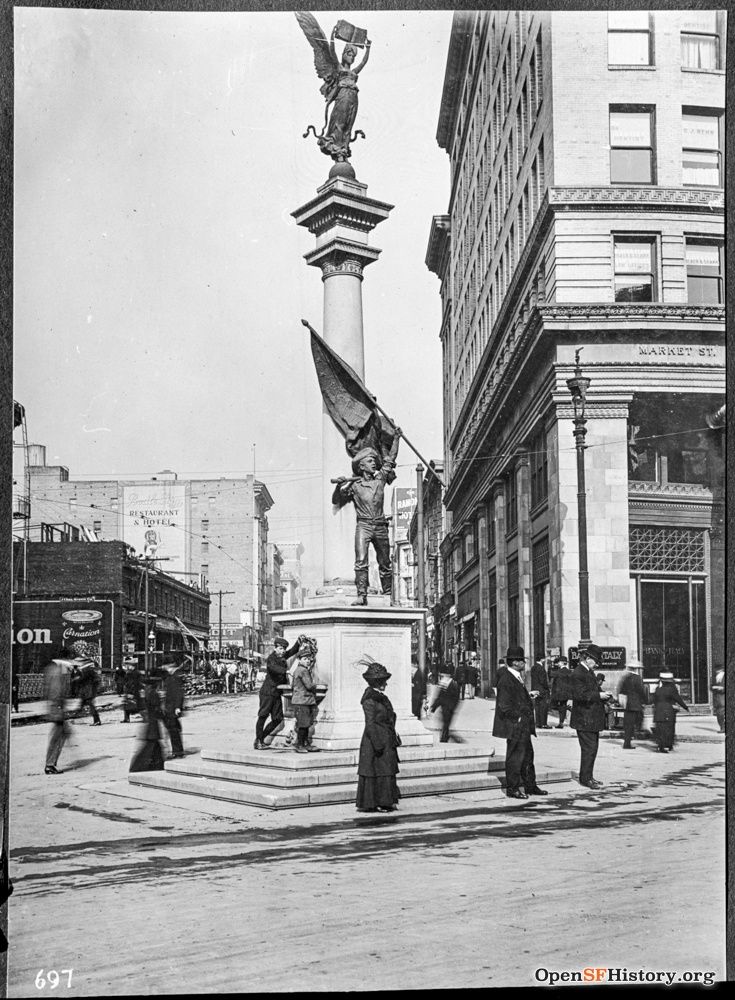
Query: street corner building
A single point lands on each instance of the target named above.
(586, 214)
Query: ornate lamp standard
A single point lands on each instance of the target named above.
(578, 387)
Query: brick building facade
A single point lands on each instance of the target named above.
(586, 211)
(215, 530)
(94, 593)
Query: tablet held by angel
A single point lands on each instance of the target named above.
(340, 82)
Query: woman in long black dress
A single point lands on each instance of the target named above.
(377, 768)
(149, 756)
(666, 703)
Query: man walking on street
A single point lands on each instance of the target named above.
(561, 688)
(173, 708)
(276, 672)
(588, 712)
(633, 690)
(88, 685)
(447, 698)
(514, 722)
(56, 688)
(540, 684)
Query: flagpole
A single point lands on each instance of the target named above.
(380, 409)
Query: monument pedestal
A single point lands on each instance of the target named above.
(346, 636)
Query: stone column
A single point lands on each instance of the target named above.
(341, 217)
(612, 607)
(525, 583)
(484, 598)
(501, 565)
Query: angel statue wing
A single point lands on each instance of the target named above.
(326, 65)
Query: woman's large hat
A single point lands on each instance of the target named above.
(666, 675)
(376, 672)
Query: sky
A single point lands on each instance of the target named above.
(159, 276)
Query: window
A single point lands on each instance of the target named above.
(205, 547)
(511, 502)
(539, 470)
(629, 38)
(701, 147)
(96, 526)
(700, 40)
(704, 272)
(205, 524)
(634, 269)
(513, 602)
(469, 545)
(631, 145)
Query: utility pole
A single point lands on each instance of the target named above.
(219, 594)
(420, 581)
(578, 386)
(145, 564)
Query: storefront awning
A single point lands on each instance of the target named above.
(467, 617)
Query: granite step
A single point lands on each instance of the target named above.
(287, 758)
(270, 797)
(281, 777)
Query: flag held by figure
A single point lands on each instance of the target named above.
(352, 409)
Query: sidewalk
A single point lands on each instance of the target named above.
(474, 716)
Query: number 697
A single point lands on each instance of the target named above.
(52, 978)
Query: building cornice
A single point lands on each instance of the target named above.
(459, 46)
(437, 251)
(657, 313)
(643, 197)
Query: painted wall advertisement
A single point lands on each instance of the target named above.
(43, 628)
(154, 522)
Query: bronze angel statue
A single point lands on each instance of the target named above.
(340, 82)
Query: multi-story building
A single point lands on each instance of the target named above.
(586, 212)
(434, 532)
(213, 530)
(293, 590)
(403, 505)
(98, 599)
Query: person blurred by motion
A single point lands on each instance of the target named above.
(119, 675)
(540, 684)
(460, 677)
(633, 695)
(303, 699)
(56, 682)
(588, 711)
(132, 703)
(561, 688)
(514, 722)
(276, 672)
(149, 756)
(418, 689)
(87, 686)
(377, 788)
(718, 697)
(446, 698)
(666, 703)
(173, 703)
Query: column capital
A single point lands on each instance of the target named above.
(600, 407)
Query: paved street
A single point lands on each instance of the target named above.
(150, 893)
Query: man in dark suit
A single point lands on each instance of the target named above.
(636, 697)
(514, 722)
(588, 711)
(540, 684)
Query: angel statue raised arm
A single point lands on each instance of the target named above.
(340, 82)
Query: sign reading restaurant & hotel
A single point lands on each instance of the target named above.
(404, 504)
(154, 521)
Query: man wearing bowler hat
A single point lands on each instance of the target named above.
(514, 722)
(588, 711)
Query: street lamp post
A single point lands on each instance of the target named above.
(578, 387)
